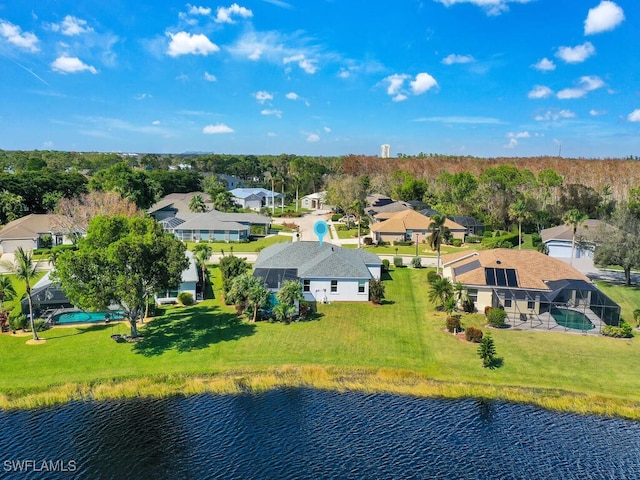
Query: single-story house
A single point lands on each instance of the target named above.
(190, 283)
(314, 201)
(559, 239)
(474, 226)
(256, 198)
(327, 272)
(383, 212)
(528, 285)
(229, 181)
(408, 225)
(47, 296)
(29, 232)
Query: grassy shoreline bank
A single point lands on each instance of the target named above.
(380, 381)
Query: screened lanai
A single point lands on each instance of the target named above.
(567, 305)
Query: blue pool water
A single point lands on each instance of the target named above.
(86, 317)
(571, 319)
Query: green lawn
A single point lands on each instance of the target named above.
(405, 334)
(250, 247)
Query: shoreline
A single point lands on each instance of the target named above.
(370, 381)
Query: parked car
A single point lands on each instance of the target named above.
(348, 218)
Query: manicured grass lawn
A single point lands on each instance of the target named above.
(403, 334)
(627, 297)
(351, 233)
(250, 247)
(423, 249)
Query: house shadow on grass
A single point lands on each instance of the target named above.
(192, 328)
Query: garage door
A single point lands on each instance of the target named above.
(10, 246)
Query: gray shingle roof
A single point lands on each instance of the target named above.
(318, 261)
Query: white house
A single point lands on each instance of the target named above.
(314, 201)
(328, 273)
(256, 198)
(188, 283)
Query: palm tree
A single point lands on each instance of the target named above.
(196, 204)
(437, 235)
(574, 218)
(519, 212)
(7, 292)
(202, 254)
(460, 293)
(24, 268)
(441, 290)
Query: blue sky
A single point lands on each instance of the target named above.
(322, 77)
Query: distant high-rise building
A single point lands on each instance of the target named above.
(385, 151)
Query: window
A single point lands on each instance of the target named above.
(360, 286)
(531, 305)
(507, 303)
(334, 286)
(473, 294)
(306, 285)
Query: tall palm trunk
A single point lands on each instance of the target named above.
(31, 320)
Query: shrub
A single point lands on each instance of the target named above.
(416, 262)
(42, 251)
(336, 217)
(496, 317)
(468, 306)
(385, 265)
(403, 243)
(472, 239)
(368, 241)
(623, 331)
(487, 309)
(536, 239)
(397, 261)
(376, 291)
(508, 240)
(456, 242)
(432, 276)
(487, 351)
(185, 298)
(453, 324)
(473, 334)
(17, 322)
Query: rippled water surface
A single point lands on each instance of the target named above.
(299, 433)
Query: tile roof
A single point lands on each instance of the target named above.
(565, 232)
(259, 192)
(533, 269)
(409, 220)
(30, 226)
(313, 260)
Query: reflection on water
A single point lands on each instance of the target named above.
(299, 433)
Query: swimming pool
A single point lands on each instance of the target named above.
(571, 319)
(86, 317)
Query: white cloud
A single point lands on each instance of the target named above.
(225, 15)
(344, 73)
(306, 64)
(586, 85)
(597, 113)
(396, 82)
(423, 83)
(193, 10)
(400, 97)
(274, 112)
(492, 7)
(66, 64)
(155, 122)
(540, 91)
(634, 116)
(292, 96)
(217, 128)
(262, 96)
(13, 34)
(71, 26)
(544, 65)
(313, 137)
(462, 120)
(272, 134)
(602, 18)
(209, 77)
(327, 130)
(453, 58)
(183, 43)
(554, 116)
(576, 54)
(143, 96)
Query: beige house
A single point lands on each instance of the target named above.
(29, 232)
(528, 285)
(408, 225)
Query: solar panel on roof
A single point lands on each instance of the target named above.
(512, 279)
(490, 276)
(501, 278)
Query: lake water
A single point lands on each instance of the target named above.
(307, 434)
